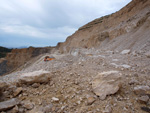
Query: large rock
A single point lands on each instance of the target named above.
(35, 77)
(6, 105)
(106, 83)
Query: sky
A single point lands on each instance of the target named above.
(41, 23)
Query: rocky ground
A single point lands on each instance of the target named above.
(83, 81)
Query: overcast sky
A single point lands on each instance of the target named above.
(46, 22)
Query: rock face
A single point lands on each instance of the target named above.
(121, 25)
(3, 66)
(34, 77)
(106, 83)
(8, 104)
(18, 57)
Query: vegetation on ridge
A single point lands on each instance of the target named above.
(4, 51)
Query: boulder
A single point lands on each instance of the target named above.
(106, 83)
(6, 105)
(34, 77)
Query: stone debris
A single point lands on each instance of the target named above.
(147, 54)
(55, 99)
(125, 66)
(35, 110)
(106, 83)
(141, 90)
(143, 99)
(80, 84)
(15, 109)
(47, 108)
(146, 109)
(28, 105)
(6, 105)
(108, 109)
(133, 81)
(18, 91)
(35, 85)
(90, 100)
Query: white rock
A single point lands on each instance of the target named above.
(106, 83)
(125, 52)
(35, 77)
(115, 60)
(125, 66)
(55, 99)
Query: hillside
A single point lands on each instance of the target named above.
(102, 68)
(4, 51)
(130, 21)
(18, 57)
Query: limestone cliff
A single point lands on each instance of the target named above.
(105, 29)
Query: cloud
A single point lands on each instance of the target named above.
(38, 32)
(51, 19)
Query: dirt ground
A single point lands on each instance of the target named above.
(71, 82)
